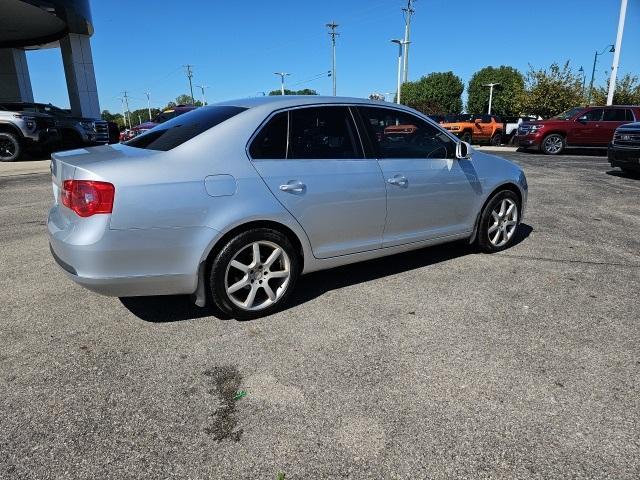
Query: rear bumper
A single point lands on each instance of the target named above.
(126, 263)
(624, 157)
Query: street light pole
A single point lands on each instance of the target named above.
(593, 72)
(148, 94)
(401, 44)
(616, 54)
(202, 87)
(490, 85)
(282, 75)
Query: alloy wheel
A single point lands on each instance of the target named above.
(8, 148)
(553, 144)
(505, 222)
(258, 275)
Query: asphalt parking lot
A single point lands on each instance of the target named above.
(441, 363)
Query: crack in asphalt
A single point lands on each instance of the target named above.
(562, 260)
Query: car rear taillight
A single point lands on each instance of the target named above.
(87, 197)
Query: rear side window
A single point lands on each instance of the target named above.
(183, 128)
(271, 142)
(616, 114)
(322, 132)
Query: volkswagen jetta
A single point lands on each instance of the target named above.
(232, 202)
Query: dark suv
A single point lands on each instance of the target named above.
(577, 127)
(74, 131)
(624, 149)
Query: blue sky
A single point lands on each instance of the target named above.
(236, 46)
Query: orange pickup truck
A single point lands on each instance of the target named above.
(475, 128)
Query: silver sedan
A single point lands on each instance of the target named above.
(234, 201)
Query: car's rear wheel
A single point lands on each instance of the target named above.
(499, 222)
(552, 144)
(496, 140)
(254, 273)
(466, 137)
(10, 147)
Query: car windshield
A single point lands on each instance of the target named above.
(182, 128)
(568, 114)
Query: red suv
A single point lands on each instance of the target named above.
(577, 127)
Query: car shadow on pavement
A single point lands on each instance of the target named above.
(169, 308)
(621, 174)
(176, 308)
(315, 284)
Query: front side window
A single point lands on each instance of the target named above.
(614, 115)
(182, 128)
(592, 115)
(322, 132)
(397, 134)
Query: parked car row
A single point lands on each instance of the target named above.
(162, 117)
(37, 126)
(478, 128)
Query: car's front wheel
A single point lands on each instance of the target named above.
(10, 147)
(499, 222)
(254, 273)
(552, 144)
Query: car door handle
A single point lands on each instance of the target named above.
(293, 186)
(399, 180)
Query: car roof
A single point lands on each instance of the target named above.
(284, 101)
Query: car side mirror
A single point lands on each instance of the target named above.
(582, 119)
(463, 151)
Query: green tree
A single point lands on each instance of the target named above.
(627, 92)
(552, 91)
(436, 93)
(507, 97)
(185, 99)
(306, 91)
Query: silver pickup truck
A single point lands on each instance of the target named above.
(20, 131)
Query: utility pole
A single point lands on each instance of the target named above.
(611, 49)
(408, 13)
(401, 44)
(584, 78)
(189, 73)
(282, 75)
(490, 85)
(202, 87)
(148, 94)
(332, 33)
(126, 101)
(616, 55)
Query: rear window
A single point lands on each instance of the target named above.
(183, 128)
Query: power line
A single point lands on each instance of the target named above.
(315, 77)
(332, 33)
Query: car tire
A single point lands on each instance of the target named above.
(496, 140)
(10, 147)
(244, 285)
(552, 144)
(466, 137)
(499, 222)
